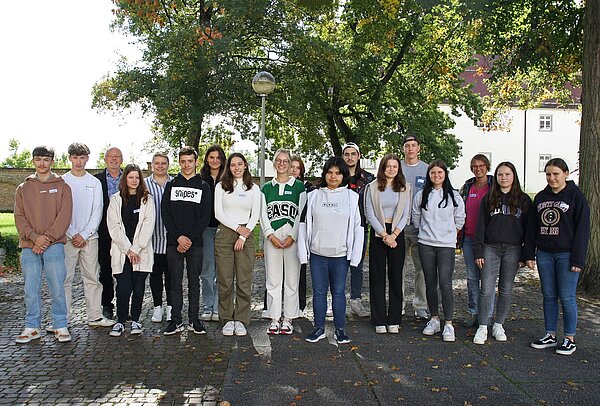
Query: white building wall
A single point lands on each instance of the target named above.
(520, 142)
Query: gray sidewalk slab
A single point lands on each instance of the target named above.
(407, 368)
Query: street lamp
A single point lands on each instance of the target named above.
(263, 84)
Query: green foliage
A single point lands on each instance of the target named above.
(16, 158)
(22, 158)
(536, 47)
(10, 241)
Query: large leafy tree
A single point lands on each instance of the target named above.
(197, 62)
(359, 70)
(369, 72)
(544, 49)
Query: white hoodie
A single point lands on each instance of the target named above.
(332, 227)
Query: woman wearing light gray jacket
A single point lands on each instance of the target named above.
(439, 213)
(387, 208)
(130, 219)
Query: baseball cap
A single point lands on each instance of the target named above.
(410, 137)
(350, 145)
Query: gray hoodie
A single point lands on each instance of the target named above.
(438, 225)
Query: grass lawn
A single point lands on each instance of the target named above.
(7, 225)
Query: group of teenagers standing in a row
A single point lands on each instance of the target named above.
(203, 223)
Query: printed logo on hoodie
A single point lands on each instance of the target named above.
(186, 194)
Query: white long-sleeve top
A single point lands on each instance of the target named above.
(87, 205)
(332, 227)
(438, 225)
(239, 207)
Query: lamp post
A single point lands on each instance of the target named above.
(263, 84)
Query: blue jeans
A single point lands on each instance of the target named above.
(501, 260)
(208, 275)
(52, 261)
(474, 281)
(328, 272)
(356, 272)
(558, 282)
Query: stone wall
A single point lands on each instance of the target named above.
(11, 178)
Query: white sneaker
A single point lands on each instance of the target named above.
(421, 314)
(136, 328)
(157, 314)
(498, 332)
(448, 334)
(214, 316)
(357, 308)
(286, 327)
(480, 335)
(168, 313)
(393, 328)
(101, 322)
(229, 328)
(432, 327)
(206, 315)
(28, 334)
(240, 329)
(380, 329)
(62, 335)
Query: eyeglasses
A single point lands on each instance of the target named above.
(282, 161)
(114, 156)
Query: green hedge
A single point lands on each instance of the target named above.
(11, 243)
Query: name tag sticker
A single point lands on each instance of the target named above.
(287, 192)
(186, 194)
(53, 191)
(242, 195)
(136, 211)
(420, 181)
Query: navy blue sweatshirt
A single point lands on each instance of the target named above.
(186, 209)
(559, 222)
(500, 226)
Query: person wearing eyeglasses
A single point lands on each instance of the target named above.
(283, 199)
(109, 178)
(472, 193)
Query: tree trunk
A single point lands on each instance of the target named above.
(195, 134)
(589, 179)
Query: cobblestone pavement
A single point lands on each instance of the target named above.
(190, 369)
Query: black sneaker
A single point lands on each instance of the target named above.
(316, 335)
(173, 328)
(197, 327)
(568, 347)
(546, 341)
(341, 337)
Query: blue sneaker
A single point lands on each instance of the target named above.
(341, 337)
(316, 335)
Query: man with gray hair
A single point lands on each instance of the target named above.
(81, 249)
(109, 178)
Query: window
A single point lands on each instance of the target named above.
(545, 122)
(367, 163)
(488, 155)
(544, 158)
